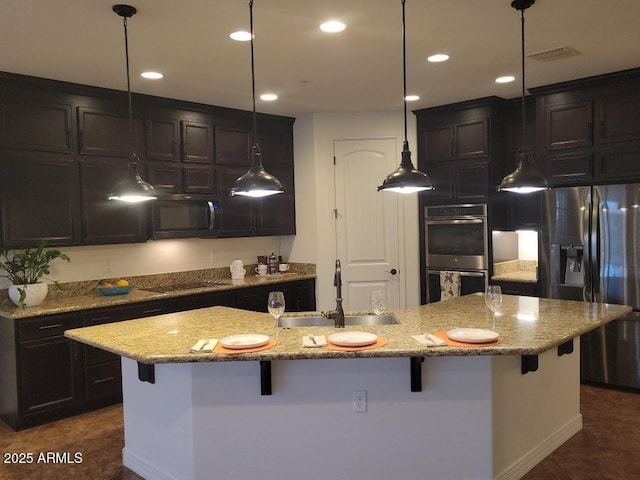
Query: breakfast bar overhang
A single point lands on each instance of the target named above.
(477, 415)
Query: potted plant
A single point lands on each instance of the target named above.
(25, 269)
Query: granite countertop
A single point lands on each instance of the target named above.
(86, 299)
(524, 271)
(543, 324)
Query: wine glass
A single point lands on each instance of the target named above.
(378, 301)
(493, 299)
(275, 305)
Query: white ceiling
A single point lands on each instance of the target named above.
(358, 70)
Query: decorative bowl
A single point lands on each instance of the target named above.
(115, 290)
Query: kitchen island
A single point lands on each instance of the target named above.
(475, 415)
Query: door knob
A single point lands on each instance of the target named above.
(393, 271)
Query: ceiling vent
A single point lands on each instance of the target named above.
(554, 54)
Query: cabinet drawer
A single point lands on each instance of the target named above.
(103, 380)
(93, 356)
(50, 326)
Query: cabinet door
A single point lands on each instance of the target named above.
(48, 375)
(440, 177)
(197, 142)
(573, 167)
(438, 143)
(199, 179)
(471, 182)
(237, 214)
(161, 139)
(106, 221)
(39, 127)
(619, 118)
(40, 200)
(165, 176)
(568, 125)
(103, 132)
(620, 163)
(303, 297)
(232, 146)
(472, 138)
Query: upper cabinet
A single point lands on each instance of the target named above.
(179, 149)
(64, 146)
(459, 146)
(589, 130)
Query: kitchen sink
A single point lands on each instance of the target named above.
(320, 321)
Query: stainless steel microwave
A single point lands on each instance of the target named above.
(185, 215)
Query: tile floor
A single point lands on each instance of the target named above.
(608, 447)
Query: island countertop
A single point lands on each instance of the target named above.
(527, 325)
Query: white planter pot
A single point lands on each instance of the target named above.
(36, 293)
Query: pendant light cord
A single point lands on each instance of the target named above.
(523, 90)
(253, 76)
(404, 73)
(126, 51)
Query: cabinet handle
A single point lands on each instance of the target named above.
(451, 149)
(47, 327)
(153, 310)
(104, 380)
(100, 319)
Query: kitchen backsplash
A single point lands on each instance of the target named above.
(515, 266)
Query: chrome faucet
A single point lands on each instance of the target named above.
(337, 315)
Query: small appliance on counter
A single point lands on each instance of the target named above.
(273, 264)
(237, 270)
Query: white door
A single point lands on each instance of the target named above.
(366, 221)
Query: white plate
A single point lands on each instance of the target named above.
(250, 340)
(472, 335)
(353, 339)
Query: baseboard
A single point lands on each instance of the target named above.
(525, 463)
(144, 469)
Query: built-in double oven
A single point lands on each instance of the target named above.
(456, 239)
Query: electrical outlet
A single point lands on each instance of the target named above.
(359, 401)
(108, 267)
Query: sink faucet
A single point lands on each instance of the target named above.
(337, 315)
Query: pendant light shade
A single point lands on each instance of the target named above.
(524, 179)
(256, 182)
(406, 179)
(132, 188)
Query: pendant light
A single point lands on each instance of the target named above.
(132, 188)
(406, 179)
(524, 179)
(256, 182)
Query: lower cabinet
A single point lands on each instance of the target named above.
(40, 373)
(45, 376)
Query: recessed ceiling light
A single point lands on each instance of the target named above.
(151, 75)
(438, 57)
(241, 36)
(505, 79)
(332, 26)
(268, 97)
(412, 98)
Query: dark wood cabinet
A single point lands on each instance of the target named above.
(461, 148)
(39, 199)
(526, 289)
(43, 127)
(40, 374)
(103, 132)
(180, 155)
(106, 221)
(588, 129)
(71, 143)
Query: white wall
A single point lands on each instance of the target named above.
(158, 256)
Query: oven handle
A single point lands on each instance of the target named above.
(454, 221)
(462, 274)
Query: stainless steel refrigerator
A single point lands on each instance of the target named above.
(590, 251)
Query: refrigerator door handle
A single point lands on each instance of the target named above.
(595, 246)
(587, 290)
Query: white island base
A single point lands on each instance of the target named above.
(478, 417)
